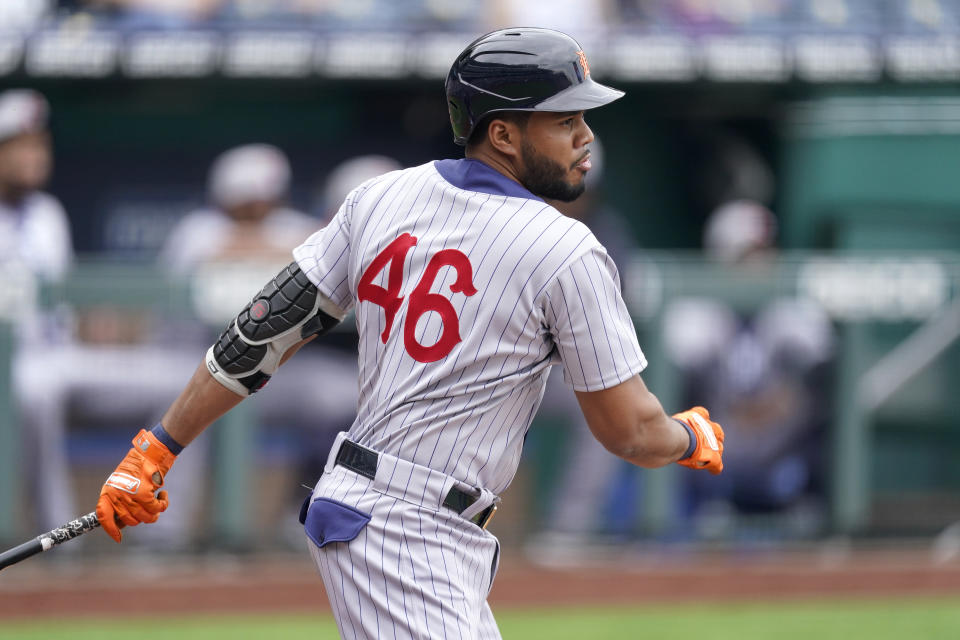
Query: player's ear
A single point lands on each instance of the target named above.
(504, 136)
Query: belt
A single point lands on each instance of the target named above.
(363, 461)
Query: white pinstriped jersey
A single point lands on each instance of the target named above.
(467, 288)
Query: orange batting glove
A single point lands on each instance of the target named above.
(127, 497)
(708, 452)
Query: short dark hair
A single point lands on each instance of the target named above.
(519, 118)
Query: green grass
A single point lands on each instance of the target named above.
(844, 620)
(932, 619)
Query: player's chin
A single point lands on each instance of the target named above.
(572, 191)
(578, 181)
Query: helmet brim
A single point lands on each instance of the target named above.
(580, 97)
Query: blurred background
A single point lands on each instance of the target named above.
(778, 187)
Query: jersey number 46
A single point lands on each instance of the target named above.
(421, 300)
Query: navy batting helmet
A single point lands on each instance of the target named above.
(520, 70)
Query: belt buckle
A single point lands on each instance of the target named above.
(488, 514)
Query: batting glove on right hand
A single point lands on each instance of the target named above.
(127, 497)
(708, 453)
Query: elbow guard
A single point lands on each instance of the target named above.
(287, 310)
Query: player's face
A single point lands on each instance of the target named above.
(555, 155)
(25, 162)
(254, 211)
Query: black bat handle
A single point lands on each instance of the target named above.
(20, 552)
(48, 540)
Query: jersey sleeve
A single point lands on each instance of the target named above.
(48, 245)
(590, 325)
(324, 257)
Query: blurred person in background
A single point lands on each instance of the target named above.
(245, 234)
(69, 366)
(35, 236)
(23, 15)
(35, 229)
(345, 177)
(362, 14)
(583, 16)
(326, 14)
(247, 218)
(725, 16)
(763, 373)
(156, 14)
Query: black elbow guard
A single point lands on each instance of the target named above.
(287, 310)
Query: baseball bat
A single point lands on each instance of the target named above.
(48, 540)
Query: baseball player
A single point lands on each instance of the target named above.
(467, 288)
(35, 237)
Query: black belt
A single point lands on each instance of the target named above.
(364, 461)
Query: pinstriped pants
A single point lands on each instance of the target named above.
(412, 572)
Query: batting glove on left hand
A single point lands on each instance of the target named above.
(128, 496)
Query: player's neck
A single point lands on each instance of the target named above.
(12, 196)
(495, 161)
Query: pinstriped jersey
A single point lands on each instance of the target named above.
(467, 289)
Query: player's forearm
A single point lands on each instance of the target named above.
(204, 401)
(630, 422)
(200, 404)
(654, 438)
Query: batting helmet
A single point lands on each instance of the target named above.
(520, 70)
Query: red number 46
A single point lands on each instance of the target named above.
(421, 300)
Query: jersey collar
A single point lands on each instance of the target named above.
(474, 175)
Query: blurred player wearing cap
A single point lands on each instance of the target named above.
(347, 176)
(248, 228)
(247, 218)
(467, 288)
(35, 235)
(33, 225)
(764, 371)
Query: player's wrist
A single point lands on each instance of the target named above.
(166, 439)
(692, 446)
